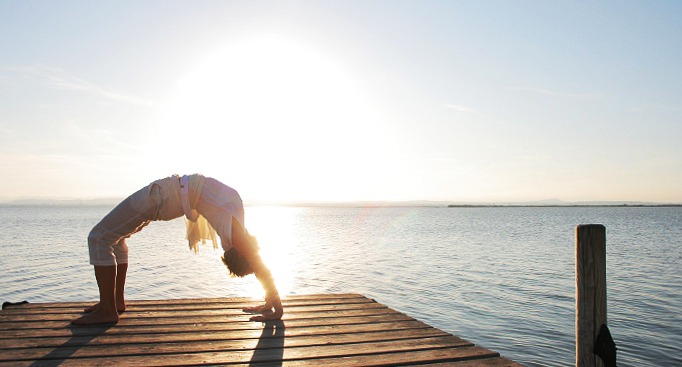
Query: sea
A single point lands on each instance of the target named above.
(500, 277)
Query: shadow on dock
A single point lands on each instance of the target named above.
(81, 336)
(270, 347)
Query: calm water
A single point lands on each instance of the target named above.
(502, 278)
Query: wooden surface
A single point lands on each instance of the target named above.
(317, 330)
(590, 294)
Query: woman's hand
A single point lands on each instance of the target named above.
(271, 301)
(259, 309)
(267, 316)
(266, 313)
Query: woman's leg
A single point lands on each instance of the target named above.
(121, 270)
(105, 311)
(107, 246)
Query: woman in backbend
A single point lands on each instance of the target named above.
(166, 199)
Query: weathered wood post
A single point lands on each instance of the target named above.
(590, 294)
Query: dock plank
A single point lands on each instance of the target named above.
(249, 342)
(205, 335)
(316, 330)
(184, 305)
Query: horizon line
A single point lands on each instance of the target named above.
(37, 201)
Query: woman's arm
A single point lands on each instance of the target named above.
(272, 299)
(246, 245)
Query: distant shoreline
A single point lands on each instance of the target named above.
(361, 204)
(564, 206)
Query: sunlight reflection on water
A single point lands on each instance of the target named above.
(499, 277)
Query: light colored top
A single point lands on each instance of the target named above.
(190, 214)
(199, 230)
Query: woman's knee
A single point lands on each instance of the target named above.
(100, 252)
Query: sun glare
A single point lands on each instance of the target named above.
(285, 121)
(274, 229)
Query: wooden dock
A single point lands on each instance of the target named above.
(316, 330)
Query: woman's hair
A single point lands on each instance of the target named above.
(236, 263)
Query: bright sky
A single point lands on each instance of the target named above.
(344, 100)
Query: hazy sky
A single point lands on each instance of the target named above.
(490, 101)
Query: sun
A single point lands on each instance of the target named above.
(278, 116)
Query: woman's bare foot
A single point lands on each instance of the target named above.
(97, 316)
(119, 307)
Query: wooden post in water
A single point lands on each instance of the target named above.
(590, 294)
